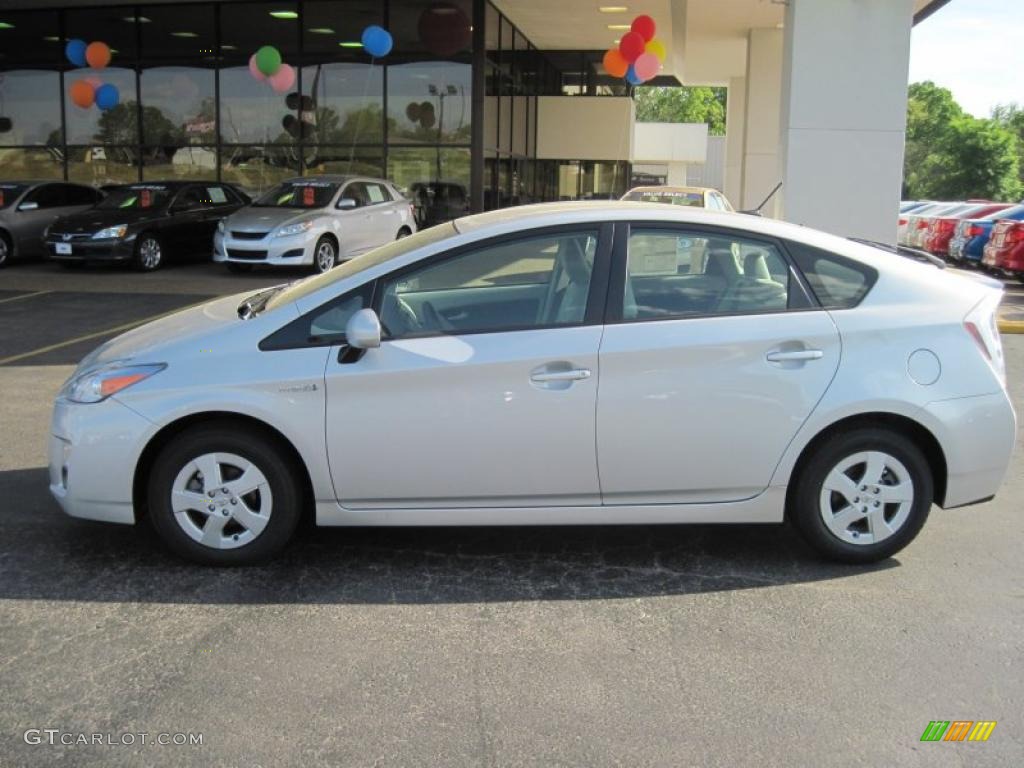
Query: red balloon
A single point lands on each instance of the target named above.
(445, 29)
(644, 26)
(631, 46)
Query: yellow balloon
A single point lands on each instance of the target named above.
(655, 46)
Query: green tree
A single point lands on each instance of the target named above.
(655, 104)
(951, 155)
(1011, 117)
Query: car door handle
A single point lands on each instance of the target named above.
(792, 355)
(545, 377)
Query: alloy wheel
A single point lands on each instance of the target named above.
(325, 256)
(866, 498)
(221, 500)
(150, 254)
(4, 250)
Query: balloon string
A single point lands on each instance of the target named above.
(359, 122)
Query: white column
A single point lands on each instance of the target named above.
(761, 162)
(735, 123)
(844, 114)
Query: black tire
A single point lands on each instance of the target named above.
(804, 509)
(247, 443)
(146, 260)
(238, 269)
(6, 249)
(320, 265)
(403, 232)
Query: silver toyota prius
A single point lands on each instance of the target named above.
(556, 364)
(317, 221)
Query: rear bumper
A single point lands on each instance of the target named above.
(977, 435)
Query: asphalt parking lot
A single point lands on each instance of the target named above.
(652, 646)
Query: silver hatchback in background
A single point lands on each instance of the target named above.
(317, 221)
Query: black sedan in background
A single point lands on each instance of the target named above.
(146, 224)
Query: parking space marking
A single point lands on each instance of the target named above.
(25, 296)
(95, 334)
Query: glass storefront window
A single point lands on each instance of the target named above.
(429, 102)
(184, 163)
(30, 108)
(31, 164)
(103, 165)
(89, 125)
(344, 103)
(364, 161)
(179, 106)
(435, 179)
(246, 27)
(169, 33)
(257, 168)
(250, 111)
(328, 24)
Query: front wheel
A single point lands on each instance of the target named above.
(325, 257)
(222, 494)
(863, 496)
(5, 250)
(149, 254)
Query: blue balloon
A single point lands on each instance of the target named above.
(631, 76)
(75, 51)
(377, 41)
(107, 96)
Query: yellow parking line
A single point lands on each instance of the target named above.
(24, 296)
(96, 334)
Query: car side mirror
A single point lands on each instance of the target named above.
(363, 330)
(347, 204)
(28, 207)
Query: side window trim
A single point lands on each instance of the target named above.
(614, 305)
(597, 298)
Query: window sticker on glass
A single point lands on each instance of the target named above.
(654, 255)
(308, 196)
(146, 198)
(375, 192)
(216, 195)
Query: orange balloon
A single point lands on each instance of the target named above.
(615, 63)
(98, 55)
(82, 94)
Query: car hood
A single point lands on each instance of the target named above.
(94, 220)
(151, 342)
(256, 219)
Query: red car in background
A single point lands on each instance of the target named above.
(942, 228)
(1005, 249)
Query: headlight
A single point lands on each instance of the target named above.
(96, 386)
(220, 226)
(294, 229)
(111, 233)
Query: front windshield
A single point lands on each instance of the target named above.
(299, 194)
(9, 193)
(136, 197)
(392, 250)
(689, 199)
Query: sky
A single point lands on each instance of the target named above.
(975, 48)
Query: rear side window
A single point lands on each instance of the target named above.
(838, 282)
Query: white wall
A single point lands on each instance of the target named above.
(670, 143)
(584, 127)
(761, 162)
(844, 114)
(735, 137)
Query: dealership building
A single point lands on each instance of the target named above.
(490, 103)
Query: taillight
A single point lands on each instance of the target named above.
(922, 224)
(903, 222)
(1014, 233)
(981, 325)
(945, 225)
(975, 231)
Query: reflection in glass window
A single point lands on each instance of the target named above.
(245, 27)
(103, 165)
(362, 161)
(435, 179)
(116, 126)
(429, 102)
(31, 164)
(257, 168)
(29, 108)
(179, 106)
(344, 103)
(184, 163)
(251, 112)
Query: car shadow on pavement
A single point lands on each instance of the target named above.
(45, 555)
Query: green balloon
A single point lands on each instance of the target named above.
(268, 60)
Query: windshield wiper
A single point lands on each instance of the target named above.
(904, 251)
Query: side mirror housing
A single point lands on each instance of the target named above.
(347, 204)
(363, 330)
(28, 207)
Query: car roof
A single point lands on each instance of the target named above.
(669, 188)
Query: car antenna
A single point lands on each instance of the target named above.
(757, 211)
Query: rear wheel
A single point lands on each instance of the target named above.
(234, 266)
(863, 496)
(222, 494)
(149, 254)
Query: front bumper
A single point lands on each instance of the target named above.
(122, 249)
(280, 251)
(977, 435)
(93, 451)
